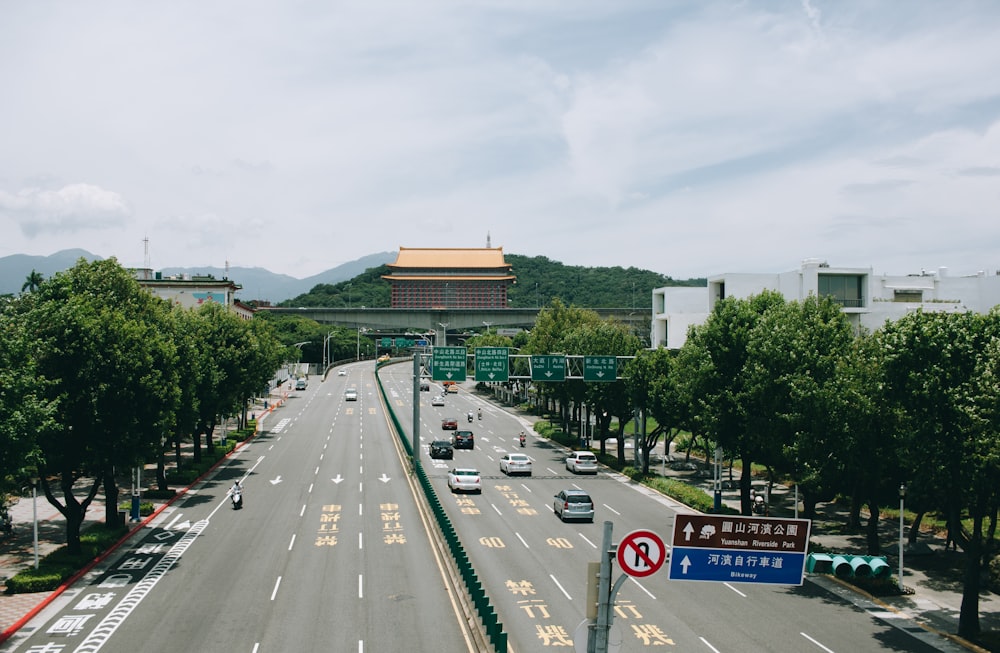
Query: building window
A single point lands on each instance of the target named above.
(908, 296)
(845, 289)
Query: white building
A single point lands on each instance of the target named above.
(869, 300)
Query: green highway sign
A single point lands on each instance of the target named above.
(492, 363)
(386, 343)
(448, 363)
(548, 368)
(600, 368)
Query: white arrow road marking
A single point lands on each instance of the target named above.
(276, 480)
(337, 479)
(384, 478)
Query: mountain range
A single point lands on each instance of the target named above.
(257, 283)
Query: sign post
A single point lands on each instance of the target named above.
(735, 549)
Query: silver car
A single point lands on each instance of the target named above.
(582, 462)
(573, 504)
(515, 463)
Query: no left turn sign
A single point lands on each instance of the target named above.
(641, 553)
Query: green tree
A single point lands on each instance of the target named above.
(102, 343)
(939, 371)
(33, 281)
(723, 406)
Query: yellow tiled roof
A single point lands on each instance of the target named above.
(455, 257)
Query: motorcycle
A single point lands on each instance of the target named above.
(479, 413)
(470, 417)
(237, 498)
(522, 440)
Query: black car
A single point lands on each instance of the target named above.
(463, 440)
(442, 449)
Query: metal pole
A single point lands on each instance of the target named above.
(34, 515)
(597, 638)
(902, 496)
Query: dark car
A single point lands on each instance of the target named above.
(425, 386)
(449, 424)
(463, 440)
(442, 449)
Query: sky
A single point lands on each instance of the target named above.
(690, 138)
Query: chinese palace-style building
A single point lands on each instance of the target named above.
(450, 278)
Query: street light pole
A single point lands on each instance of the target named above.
(488, 325)
(444, 329)
(34, 514)
(902, 497)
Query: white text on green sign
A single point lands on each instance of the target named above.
(448, 363)
(600, 368)
(548, 368)
(491, 363)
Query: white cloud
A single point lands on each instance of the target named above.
(685, 137)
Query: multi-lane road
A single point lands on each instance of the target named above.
(332, 553)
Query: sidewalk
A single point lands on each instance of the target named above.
(17, 552)
(932, 573)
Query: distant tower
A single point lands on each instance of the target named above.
(487, 240)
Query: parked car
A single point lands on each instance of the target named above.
(438, 400)
(463, 440)
(449, 424)
(351, 395)
(582, 462)
(442, 449)
(515, 463)
(573, 504)
(465, 480)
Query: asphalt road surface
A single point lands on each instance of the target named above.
(328, 554)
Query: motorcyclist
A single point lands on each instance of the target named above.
(521, 438)
(236, 492)
(479, 413)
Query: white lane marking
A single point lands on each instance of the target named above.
(256, 647)
(104, 630)
(705, 642)
(361, 469)
(522, 540)
(321, 456)
(587, 541)
(303, 511)
(360, 545)
(310, 488)
(735, 590)
(292, 543)
(526, 487)
(359, 486)
(561, 588)
(316, 472)
(274, 592)
(828, 650)
(361, 593)
(495, 509)
(611, 509)
(360, 509)
(172, 522)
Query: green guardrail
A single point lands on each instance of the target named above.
(477, 595)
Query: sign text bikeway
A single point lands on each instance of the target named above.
(734, 549)
(492, 364)
(448, 364)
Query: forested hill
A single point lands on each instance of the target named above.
(539, 280)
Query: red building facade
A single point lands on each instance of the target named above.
(449, 278)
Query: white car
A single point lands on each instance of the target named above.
(582, 462)
(515, 463)
(438, 401)
(351, 395)
(341, 372)
(465, 479)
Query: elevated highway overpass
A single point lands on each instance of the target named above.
(415, 320)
